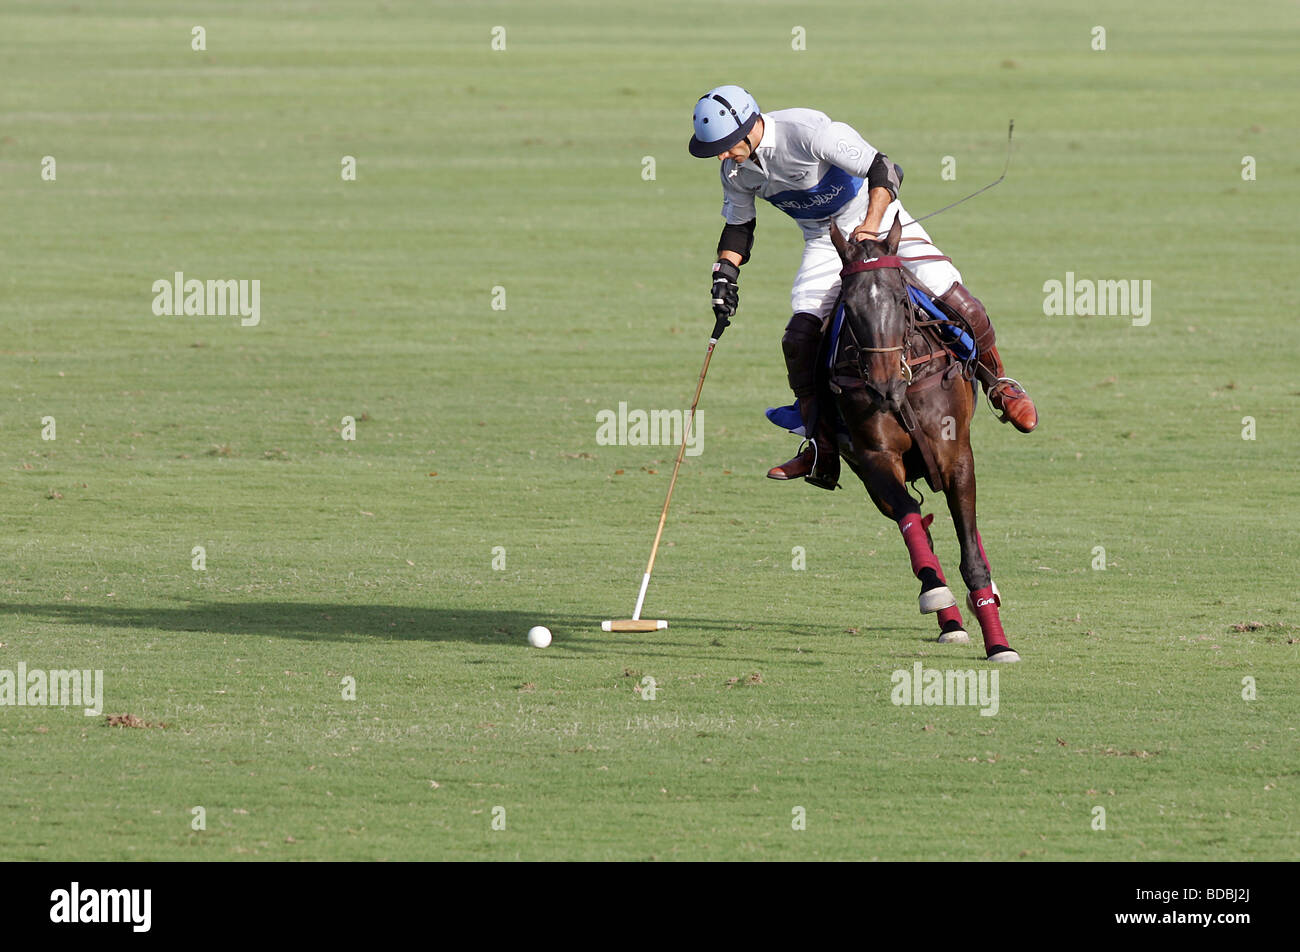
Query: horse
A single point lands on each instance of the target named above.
(906, 400)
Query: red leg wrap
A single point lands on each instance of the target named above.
(918, 544)
(986, 611)
(950, 614)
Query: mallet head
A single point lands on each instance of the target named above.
(634, 624)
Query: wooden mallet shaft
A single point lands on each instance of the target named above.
(635, 623)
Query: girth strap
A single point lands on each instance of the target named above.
(921, 442)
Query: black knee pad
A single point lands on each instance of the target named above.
(802, 339)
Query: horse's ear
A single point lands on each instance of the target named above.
(838, 240)
(895, 234)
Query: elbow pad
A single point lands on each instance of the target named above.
(884, 174)
(738, 238)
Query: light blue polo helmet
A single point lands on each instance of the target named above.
(723, 117)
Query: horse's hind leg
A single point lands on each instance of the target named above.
(952, 630)
(894, 502)
(935, 596)
(983, 600)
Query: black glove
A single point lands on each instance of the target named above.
(726, 290)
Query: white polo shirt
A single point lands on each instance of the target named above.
(815, 169)
(809, 167)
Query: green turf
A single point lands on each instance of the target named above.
(373, 558)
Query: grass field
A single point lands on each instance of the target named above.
(475, 500)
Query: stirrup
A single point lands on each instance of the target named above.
(988, 394)
(818, 480)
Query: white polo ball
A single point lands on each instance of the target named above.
(539, 637)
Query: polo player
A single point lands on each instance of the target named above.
(817, 171)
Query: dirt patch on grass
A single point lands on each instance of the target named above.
(128, 720)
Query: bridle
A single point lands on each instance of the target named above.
(874, 264)
(879, 263)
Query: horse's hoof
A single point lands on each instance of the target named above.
(1007, 656)
(954, 637)
(936, 598)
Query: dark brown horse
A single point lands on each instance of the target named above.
(907, 402)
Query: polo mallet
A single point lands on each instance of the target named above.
(636, 622)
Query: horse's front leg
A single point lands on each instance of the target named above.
(983, 598)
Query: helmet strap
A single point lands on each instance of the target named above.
(753, 149)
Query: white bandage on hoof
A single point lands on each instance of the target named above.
(958, 637)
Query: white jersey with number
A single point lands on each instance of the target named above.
(815, 170)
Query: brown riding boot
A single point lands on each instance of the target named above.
(819, 463)
(1008, 397)
(801, 465)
